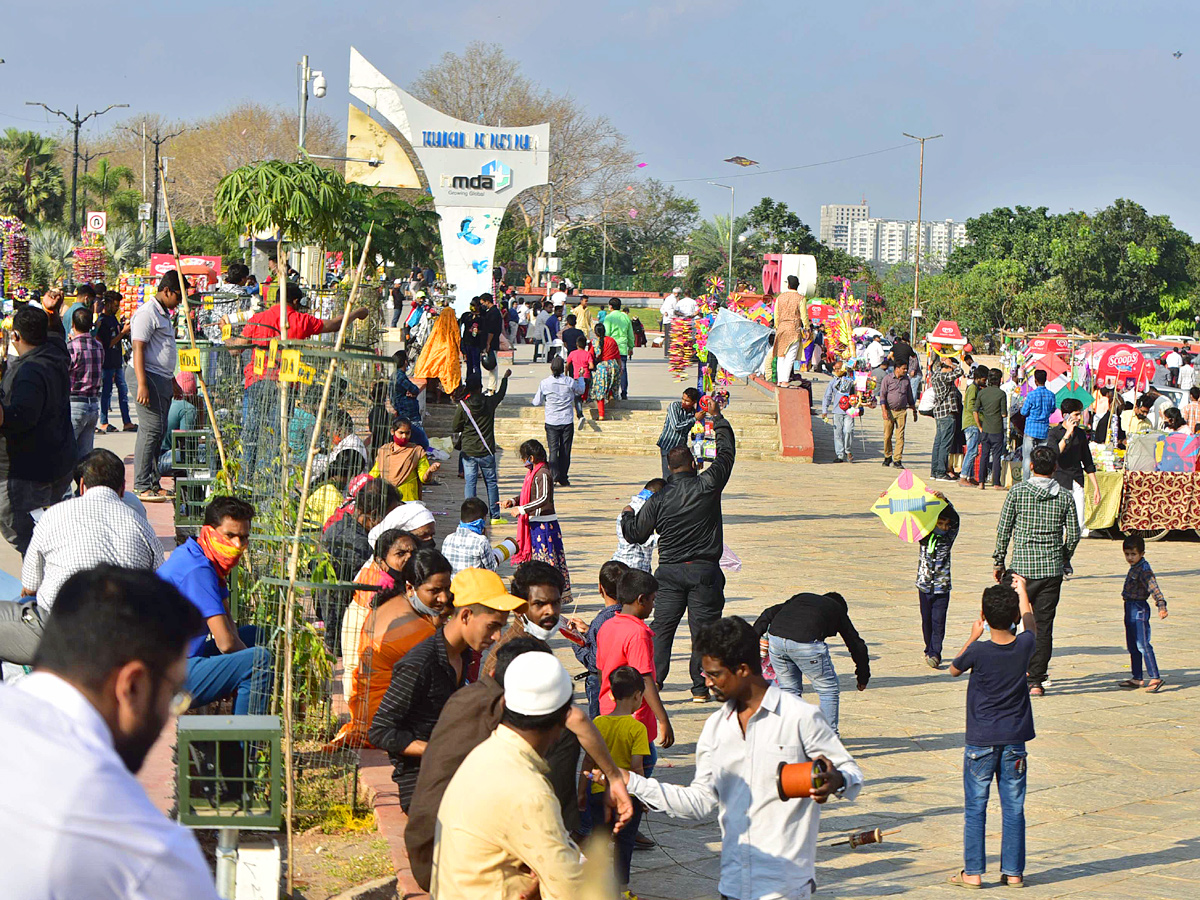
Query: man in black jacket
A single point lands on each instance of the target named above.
(38, 453)
(796, 632)
(475, 419)
(687, 516)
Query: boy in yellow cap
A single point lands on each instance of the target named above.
(428, 674)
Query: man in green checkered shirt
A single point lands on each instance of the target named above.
(1040, 520)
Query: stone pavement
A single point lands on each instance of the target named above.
(1113, 775)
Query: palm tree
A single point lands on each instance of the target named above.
(708, 247)
(106, 181)
(125, 248)
(51, 255)
(32, 187)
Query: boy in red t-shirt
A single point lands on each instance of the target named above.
(626, 640)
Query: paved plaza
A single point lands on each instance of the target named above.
(1112, 810)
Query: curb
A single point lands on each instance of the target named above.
(375, 774)
(379, 889)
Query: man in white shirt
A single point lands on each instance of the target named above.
(559, 297)
(558, 393)
(1173, 362)
(686, 308)
(875, 356)
(93, 528)
(667, 311)
(78, 826)
(1187, 374)
(737, 762)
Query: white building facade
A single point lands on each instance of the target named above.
(836, 222)
(893, 241)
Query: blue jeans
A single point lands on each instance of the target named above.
(473, 467)
(1008, 764)
(942, 439)
(109, 378)
(1137, 639)
(1026, 449)
(843, 435)
(244, 675)
(260, 428)
(791, 660)
(624, 377)
(974, 435)
(85, 413)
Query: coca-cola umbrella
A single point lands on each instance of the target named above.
(1123, 366)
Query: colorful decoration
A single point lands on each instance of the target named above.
(683, 348)
(91, 259)
(715, 284)
(908, 509)
(16, 250)
(839, 336)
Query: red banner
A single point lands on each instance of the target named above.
(202, 271)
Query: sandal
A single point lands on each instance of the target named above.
(154, 495)
(1154, 686)
(958, 880)
(1131, 683)
(1036, 690)
(1007, 881)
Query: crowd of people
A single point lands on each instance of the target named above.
(456, 674)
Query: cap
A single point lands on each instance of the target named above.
(536, 684)
(398, 281)
(485, 588)
(674, 290)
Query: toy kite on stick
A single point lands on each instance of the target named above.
(908, 508)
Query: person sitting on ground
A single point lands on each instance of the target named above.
(999, 723)
(424, 679)
(348, 539)
(227, 661)
(409, 610)
(468, 546)
(468, 719)
(391, 552)
(182, 416)
(107, 678)
(95, 527)
(402, 463)
(639, 556)
(38, 450)
(413, 517)
(796, 631)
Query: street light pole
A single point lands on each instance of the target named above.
(77, 122)
(912, 327)
(729, 277)
(318, 80)
(87, 158)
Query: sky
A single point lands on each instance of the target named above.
(1068, 105)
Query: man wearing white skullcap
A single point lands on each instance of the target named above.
(413, 517)
(489, 849)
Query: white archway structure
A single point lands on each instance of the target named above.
(473, 172)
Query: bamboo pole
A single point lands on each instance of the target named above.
(294, 554)
(208, 407)
(289, 612)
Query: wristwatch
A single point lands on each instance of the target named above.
(840, 793)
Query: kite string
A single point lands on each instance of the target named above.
(827, 162)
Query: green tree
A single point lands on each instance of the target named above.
(779, 230)
(104, 183)
(51, 255)
(708, 247)
(304, 200)
(403, 232)
(31, 186)
(1022, 234)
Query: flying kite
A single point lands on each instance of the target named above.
(1177, 54)
(742, 161)
(642, 165)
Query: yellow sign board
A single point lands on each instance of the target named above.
(289, 365)
(189, 360)
(260, 361)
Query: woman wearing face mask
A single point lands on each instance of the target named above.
(386, 565)
(538, 534)
(402, 616)
(404, 463)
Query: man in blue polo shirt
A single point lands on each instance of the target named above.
(225, 662)
(1039, 405)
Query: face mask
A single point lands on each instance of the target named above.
(476, 526)
(544, 634)
(400, 441)
(394, 574)
(529, 463)
(415, 602)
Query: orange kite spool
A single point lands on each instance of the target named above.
(798, 779)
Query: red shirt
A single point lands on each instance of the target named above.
(579, 360)
(625, 640)
(263, 327)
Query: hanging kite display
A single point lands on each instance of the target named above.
(683, 348)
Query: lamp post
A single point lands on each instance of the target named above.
(729, 277)
(77, 122)
(912, 327)
(319, 86)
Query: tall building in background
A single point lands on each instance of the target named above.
(893, 241)
(836, 222)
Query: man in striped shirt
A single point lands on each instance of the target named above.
(681, 416)
(87, 364)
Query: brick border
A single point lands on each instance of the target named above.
(375, 773)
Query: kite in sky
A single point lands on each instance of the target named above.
(742, 161)
(642, 165)
(1177, 54)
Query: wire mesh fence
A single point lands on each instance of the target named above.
(265, 396)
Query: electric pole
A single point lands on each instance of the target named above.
(912, 328)
(158, 140)
(87, 158)
(77, 122)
